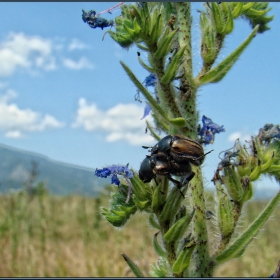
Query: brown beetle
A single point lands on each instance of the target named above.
(180, 149)
(159, 164)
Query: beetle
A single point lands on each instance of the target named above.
(180, 149)
(159, 164)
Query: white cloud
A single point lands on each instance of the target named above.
(22, 51)
(13, 134)
(82, 63)
(15, 121)
(121, 123)
(76, 44)
(33, 53)
(239, 135)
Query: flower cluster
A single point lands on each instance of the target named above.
(113, 171)
(208, 130)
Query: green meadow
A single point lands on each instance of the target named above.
(49, 236)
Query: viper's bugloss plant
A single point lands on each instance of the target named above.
(171, 189)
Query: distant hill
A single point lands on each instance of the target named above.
(59, 178)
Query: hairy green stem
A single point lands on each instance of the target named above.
(203, 267)
(187, 100)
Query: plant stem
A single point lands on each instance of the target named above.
(203, 266)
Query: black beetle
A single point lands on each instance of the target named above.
(180, 149)
(159, 164)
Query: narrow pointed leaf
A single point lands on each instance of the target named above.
(159, 250)
(145, 66)
(173, 66)
(152, 102)
(229, 24)
(218, 72)
(152, 131)
(183, 261)
(153, 222)
(247, 6)
(178, 229)
(144, 91)
(142, 47)
(249, 233)
(134, 268)
(165, 42)
(237, 10)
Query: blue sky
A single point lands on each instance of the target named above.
(64, 94)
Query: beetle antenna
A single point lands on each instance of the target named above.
(208, 153)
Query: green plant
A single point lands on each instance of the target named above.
(163, 31)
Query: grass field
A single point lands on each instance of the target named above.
(47, 236)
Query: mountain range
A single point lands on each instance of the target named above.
(59, 178)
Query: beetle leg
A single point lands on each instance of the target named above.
(177, 183)
(186, 179)
(155, 178)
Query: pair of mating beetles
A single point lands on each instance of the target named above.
(172, 155)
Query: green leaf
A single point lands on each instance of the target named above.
(178, 229)
(218, 17)
(157, 27)
(153, 133)
(218, 72)
(153, 222)
(163, 45)
(152, 102)
(145, 66)
(173, 66)
(134, 268)
(183, 261)
(229, 24)
(237, 10)
(157, 247)
(179, 122)
(142, 47)
(140, 189)
(141, 204)
(249, 233)
(116, 221)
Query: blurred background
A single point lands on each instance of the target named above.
(67, 107)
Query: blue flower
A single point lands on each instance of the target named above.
(208, 123)
(147, 110)
(150, 81)
(208, 130)
(113, 171)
